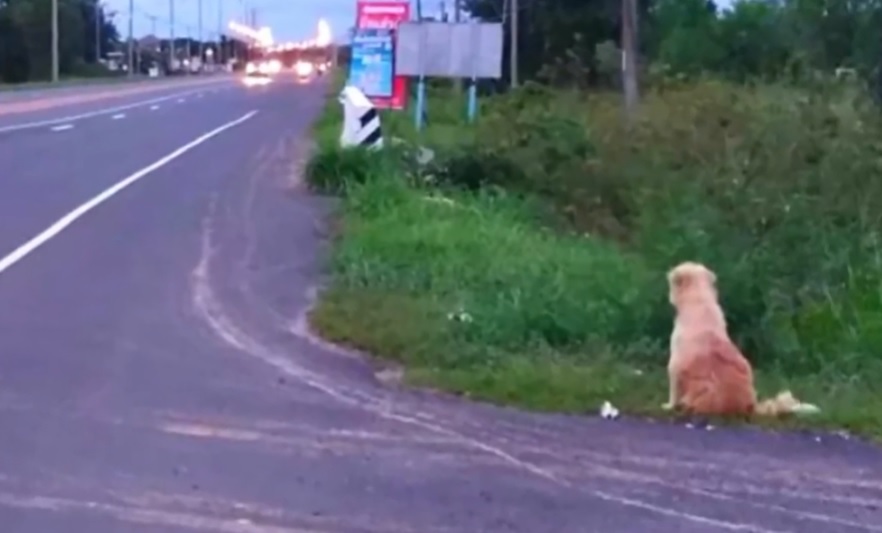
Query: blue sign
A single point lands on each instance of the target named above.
(372, 66)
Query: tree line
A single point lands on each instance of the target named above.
(577, 41)
(26, 38)
(86, 33)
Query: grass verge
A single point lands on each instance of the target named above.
(475, 293)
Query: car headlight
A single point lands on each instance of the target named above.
(303, 68)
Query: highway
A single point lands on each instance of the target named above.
(156, 374)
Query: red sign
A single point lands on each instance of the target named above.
(386, 14)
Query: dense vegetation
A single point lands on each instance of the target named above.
(25, 38)
(526, 263)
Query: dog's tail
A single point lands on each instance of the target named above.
(785, 403)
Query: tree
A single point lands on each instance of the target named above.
(26, 37)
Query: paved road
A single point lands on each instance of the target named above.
(30, 108)
(155, 374)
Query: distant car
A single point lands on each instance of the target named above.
(256, 78)
(304, 71)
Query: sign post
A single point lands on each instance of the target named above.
(373, 52)
(469, 50)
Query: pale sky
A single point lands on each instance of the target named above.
(289, 19)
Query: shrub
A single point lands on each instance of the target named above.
(332, 169)
(775, 187)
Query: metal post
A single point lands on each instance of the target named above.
(131, 38)
(171, 39)
(98, 17)
(221, 52)
(457, 17)
(629, 57)
(514, 43)
(201, 44)
(55, 62)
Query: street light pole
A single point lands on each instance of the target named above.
(131, 38)
(221, 52)
(171, 39)
(55, 61)
(629, 57)
(514, 42)
(98, 13)
(201, 44)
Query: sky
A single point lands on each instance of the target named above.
(292, 20)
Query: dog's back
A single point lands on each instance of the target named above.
(712, 376)
(715, 379)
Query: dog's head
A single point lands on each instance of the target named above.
(691, 280)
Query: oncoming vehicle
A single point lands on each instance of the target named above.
(304, 71)
(261, 72)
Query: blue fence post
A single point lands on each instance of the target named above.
(421, 103)
(473, 100)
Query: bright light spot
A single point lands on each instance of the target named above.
(251, 81)
(273, 66)
(264, 36)
(303, 68)
(324, 35)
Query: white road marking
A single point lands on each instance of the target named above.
(119, 116)
(61, 224)
(154, 107)
(180, 100)
(61, 120)
(63, 127)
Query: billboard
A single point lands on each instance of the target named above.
(371, 68)
(444, 50)
(383, 15)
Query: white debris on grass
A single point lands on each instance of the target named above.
(459, 316)
(608, 411)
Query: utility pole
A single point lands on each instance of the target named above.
(55, 41)
(201, 44)
(131, 38)
(171, 39)
(98, 17)
(221, 52)
(629, 57)
(513, 8)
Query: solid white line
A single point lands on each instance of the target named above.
(53, 121)
(154, 107)
(46, 235)
(119, 116)
(63, 127)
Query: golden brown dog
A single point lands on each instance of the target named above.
(707, 372)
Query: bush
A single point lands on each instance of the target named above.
(332, 170)
(774, 187)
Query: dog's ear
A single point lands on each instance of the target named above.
(711, 276)
(678, 279)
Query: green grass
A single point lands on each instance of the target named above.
(561, 268)
(405, 262)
